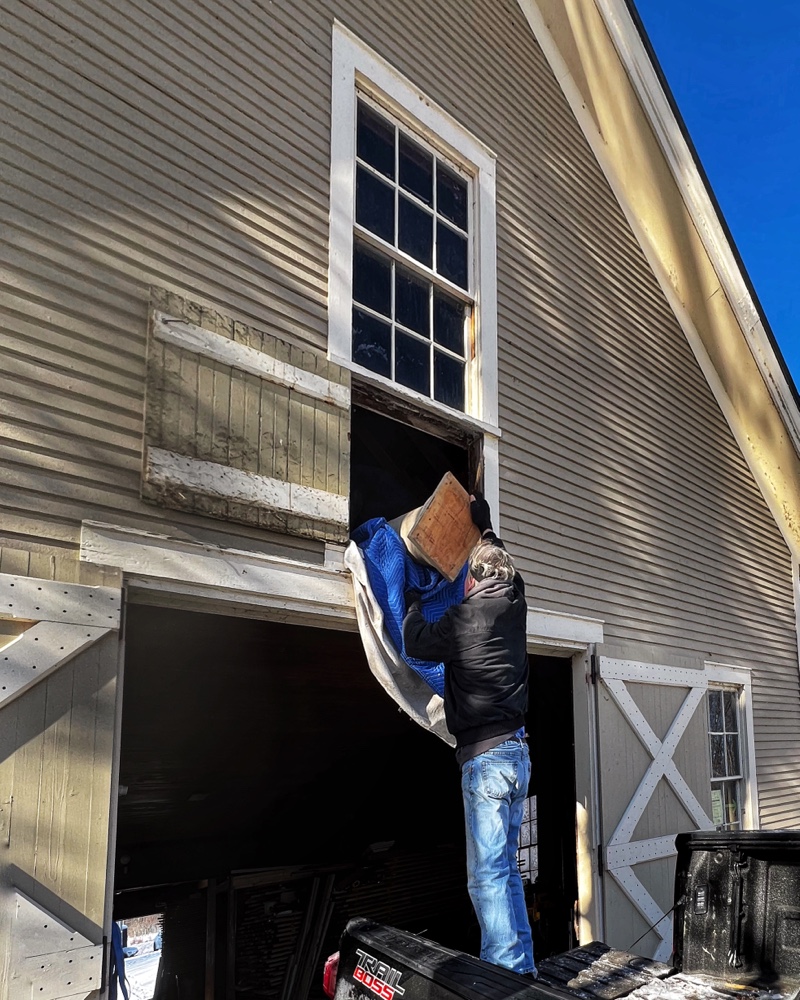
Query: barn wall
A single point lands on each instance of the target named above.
(186, 146)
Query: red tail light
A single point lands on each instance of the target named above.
(330, 974)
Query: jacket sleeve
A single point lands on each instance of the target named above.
(427, 640)
(490, 536)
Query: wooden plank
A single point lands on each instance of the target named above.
(50, 602)
(39, 654)
(27, 750)
(51, 830)
(170, 399)
(15, 562)
(189, 402)
(319, 433)
(281, 437)
(103, 705)
(204, 425)
(243, 356)
(8, 744)
(177, 475)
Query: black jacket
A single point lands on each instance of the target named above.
(482, 642)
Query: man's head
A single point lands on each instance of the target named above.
(489, 562)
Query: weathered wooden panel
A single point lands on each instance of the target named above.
(55, 795)
(240, 425)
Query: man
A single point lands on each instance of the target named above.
(482, 644)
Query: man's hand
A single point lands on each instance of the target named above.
(411, 597)
(481, 514)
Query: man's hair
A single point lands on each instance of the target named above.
(489, 561)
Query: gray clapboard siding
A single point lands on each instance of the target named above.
(186, 145)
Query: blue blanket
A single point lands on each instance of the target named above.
(391, 572)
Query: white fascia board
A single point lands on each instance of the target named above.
(595, 139)
(285, 586)
(171, 564)
(645, 81)
(571, 631)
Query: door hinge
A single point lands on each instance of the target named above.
(594, 668)
(601, 867)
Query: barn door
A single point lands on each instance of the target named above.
(58, 687)
(654, 783)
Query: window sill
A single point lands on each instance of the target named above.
(455, 416)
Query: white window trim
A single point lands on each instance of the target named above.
(355, 66)
(741, 677)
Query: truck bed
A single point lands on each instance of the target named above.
(377, 961)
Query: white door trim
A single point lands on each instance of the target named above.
(319, 594)
(741, 677)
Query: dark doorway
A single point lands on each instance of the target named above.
(268, 784)
(395, 467)
(247, 743)
(553, 889)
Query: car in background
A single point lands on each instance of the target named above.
(157, 942)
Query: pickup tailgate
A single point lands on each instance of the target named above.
(377, 962)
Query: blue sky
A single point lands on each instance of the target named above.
(734, 70)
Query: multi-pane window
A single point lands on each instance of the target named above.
(724, 734)
(412, 261)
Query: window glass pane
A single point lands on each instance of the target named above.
(372, 281)
(451, 196)
(412, 363)
(375, 140)
(715, 711)
(717, 756)
(372, 343)
(732, 809)
(448, 323)
(415, 232)
(412, 302)
(448, 380)
(416, 170)
(732, 754)
(451, 255)
(729, 702)
(374, 205)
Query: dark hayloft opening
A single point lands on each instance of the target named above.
(395, 467)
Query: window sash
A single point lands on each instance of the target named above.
(358, 70)
(468, 294)
(729, 785)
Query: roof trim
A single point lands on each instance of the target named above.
(644, 71)
(637, 142)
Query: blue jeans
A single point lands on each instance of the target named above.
(494, 785)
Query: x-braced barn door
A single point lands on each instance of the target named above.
(59, 651)
(654, 783)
